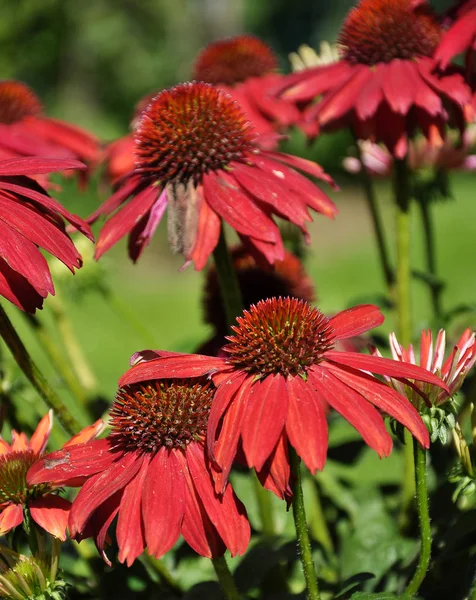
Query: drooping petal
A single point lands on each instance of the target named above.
(10, 517)
(130, 528)
(39, 439)
(36, 166)
(354, 408)
(208, 232)
(163, 502)
(384, 366)
(336, 104)
(264, 419)
(171, 367)
(225, 511)
(51, 512)
(356, 320)
(306, 424)
(17, 290)
(399, 96)
(276, 471)
(81, 460)
(371, 94)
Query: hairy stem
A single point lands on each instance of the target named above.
(430, 254)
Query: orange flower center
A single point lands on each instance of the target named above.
(189, 130)
(279, 335)
(232, 61)
(17, 101)
(13, 469)
(169, 413)
(377, 31)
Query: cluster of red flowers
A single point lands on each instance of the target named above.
(205, 152)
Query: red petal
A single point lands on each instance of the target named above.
(101, 487)
(208, 232)
(171, 367)
(371, 95)
(36, 166)
(227, 199)
(51, 512)
(163, 502)
(397, 85)
(130, 528)
(124, 220)
(260, 249)
(82, 460)
(128, 188)
(385, 366)
(310, 83)
(356, 320)
(302, 164)
(457, 39)
(260, 433)
(337, 104)
(39, 439)
(386, 399)
(226, 512)
(354, 408)
(276, 471)
(306, 425)
(10, 517)
(15, 288)
(87, 434)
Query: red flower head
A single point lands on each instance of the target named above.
(153, 472)
(30, 220)
(246, 68)
(45, 506)
(279, 372)
(286, 277)
(384, 87)
(24, 131)
(198, 155)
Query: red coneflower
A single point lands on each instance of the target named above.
(279, 371)
(48, 509)
(30, 220)
(198, 156)
(153, 472)
(246, 68)
(384, 87)
(25, 131)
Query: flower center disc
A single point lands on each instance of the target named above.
(17, 101)
(13, 469)
(233, 61)
(279, 335)
(378, 31)
(169, 413)
(189, 130)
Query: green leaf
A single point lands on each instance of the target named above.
(353, 582)
(371, 596)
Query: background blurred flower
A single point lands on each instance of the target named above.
(199, 157)
(30, 220)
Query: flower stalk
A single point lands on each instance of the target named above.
(302, 531)
(423, 519)
(34, 375)
(225, 578)
(430, 255)
(227, 279)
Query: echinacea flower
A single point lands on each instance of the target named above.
(286, 277)
(46, 508)
(153, 472)
(384, 88)
(25, 131)
(452, 371)
(246, 68)
(279, 371)
(198, 156)
(451, 155)
(29, 221)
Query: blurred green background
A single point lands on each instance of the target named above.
(90, 62)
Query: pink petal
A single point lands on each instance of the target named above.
(130, 528)
(306, 425)
(51, 512)
(259, 432)
(384, 366)
(10, 517)
(354, 408)
(226, 512)
(356, 320)
(337, 104)
(163, 502)
(39, 439)
(310, 83)
(457, 39)
(171, 367)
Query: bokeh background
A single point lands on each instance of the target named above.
(90, 62)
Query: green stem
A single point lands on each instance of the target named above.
(57, 358)
(165, 575)
(302, 531)
(377, 223)
(76, 355)
(430, 253)
(408, 485)
(225, 578)
(424, 521)
(34, 375)
(227, 279)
